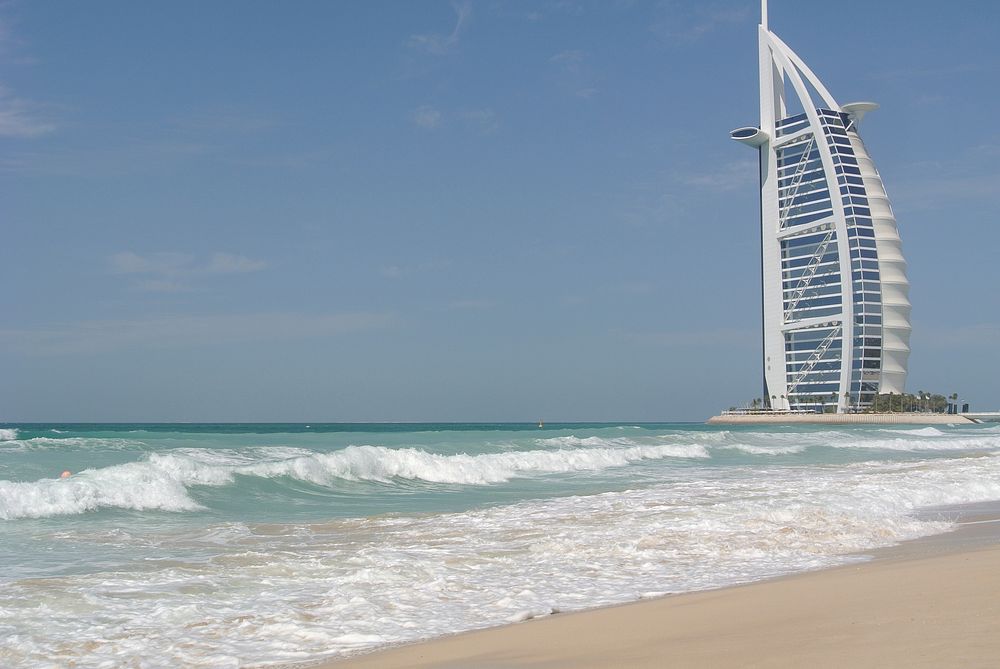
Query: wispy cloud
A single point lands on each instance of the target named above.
(733, 175)
(397, 271)
(574, 75)
(931, 71)
(168, 272)
(571, 59)
(483, 120)
(983, 335)
(128, 262)
(426, 117)
(21, 118)
(729, 337)
(690, 23)
(943, 190)
(229, 263)
(391, 271)
(471, 304)
(222, 121)
(440, 44)
(184, 330)
(539, 10)
(652, 203)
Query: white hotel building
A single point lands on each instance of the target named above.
(835, 294)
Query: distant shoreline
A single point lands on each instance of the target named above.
(841, 419)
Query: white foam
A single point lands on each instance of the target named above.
(130, 486)
(354, 584)
(161, 482)
(77, 443)
(381, 464)
(8, 433)
(766, 450)
(924, 444)
(919, 432)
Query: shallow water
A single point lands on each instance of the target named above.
(226, 545)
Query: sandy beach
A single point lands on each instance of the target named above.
(934, 602)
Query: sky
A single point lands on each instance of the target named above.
(453, 211)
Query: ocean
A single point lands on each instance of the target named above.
(247, 545)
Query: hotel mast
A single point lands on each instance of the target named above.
(835, 293)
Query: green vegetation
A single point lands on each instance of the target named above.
(919, 402)
(908, 402)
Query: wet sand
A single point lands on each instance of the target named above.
(934, 602)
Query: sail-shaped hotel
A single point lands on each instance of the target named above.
(836, 315)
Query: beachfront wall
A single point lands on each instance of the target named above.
(836, 311)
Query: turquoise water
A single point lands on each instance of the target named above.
(235, 545)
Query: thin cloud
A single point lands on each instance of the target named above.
(391, 271)
(182, 331)
(731, 176)
(471, 304)
(934, 72)
(222, 121)
(167, 272)
(984, 335)
(484, 120)
(426, 117)
(728, 337)
(677, 24)
(228, 263)
(570, 59)
(442, 45)
(574, 76)
(161, 286)
(20, 118)
(128, 262)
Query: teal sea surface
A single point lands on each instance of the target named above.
(252, 544)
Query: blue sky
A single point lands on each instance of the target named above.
(452, 210)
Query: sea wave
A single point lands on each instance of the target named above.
(919, 432)
(135, 485)
(357, 583)
(161, 482)
(8, 434)
(951, 443)
(77, 443)
(766, 450)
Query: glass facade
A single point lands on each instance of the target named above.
(813, 289)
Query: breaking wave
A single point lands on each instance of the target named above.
(161, 482)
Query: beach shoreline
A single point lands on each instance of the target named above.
(933, 601)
